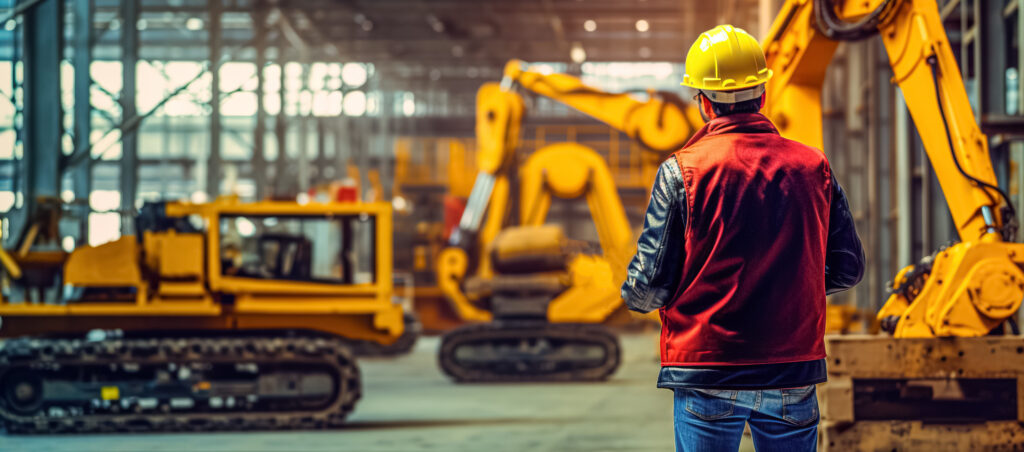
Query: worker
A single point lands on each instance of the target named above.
(745, 234)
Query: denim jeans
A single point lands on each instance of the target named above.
(713, 420)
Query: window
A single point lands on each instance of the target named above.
(321, 249)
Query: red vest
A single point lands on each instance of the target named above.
(752, 289)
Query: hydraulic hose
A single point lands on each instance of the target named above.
(933, 62)
(837, 29)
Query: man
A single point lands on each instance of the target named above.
(745, 234)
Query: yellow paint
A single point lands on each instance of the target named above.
(110, 393)
(178, 280)
(976, 284)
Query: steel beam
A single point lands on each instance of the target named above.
(130, 140)
(213, 165)
(43, 117)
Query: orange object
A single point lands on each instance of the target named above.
(453, 208)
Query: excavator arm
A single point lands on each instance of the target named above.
(499, 115)
(568, 171)
(967, 289)
(661, 124)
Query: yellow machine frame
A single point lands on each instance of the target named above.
(191, 284)
(973, 286)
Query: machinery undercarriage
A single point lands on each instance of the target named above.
(175, 384)
(536, 266)
(529, 350)
(214, 328)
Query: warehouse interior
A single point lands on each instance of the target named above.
(313, 221)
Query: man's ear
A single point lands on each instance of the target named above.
(763, 96)
(705, 105)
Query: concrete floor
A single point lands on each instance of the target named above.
(409, 405)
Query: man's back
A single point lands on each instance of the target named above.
(750, 289)
(745, 234)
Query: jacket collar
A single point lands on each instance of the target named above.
(737, 123)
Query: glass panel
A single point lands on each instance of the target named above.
(335, 249)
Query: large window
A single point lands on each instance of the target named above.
(322, 249)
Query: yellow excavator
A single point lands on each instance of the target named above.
(967, 289)
(535, 300)
(947, 379)
(224, 315)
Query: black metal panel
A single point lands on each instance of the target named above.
(939, 400)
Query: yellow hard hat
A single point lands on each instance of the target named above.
(726, 58)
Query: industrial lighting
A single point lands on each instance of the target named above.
(435, 23)
(589, 25)
(642, 26)
(577, 54)
(353, 74)
(355, 103)
(194, 23)
(409, 104)
(245, 227)
(364, 22)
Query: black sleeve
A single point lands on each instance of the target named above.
(653, 275)
(844, 256)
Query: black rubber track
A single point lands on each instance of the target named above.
(36, 355)
(563, 333)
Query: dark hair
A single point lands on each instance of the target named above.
(747, 106)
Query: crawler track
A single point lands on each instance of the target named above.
(175, 384)
(524, 351)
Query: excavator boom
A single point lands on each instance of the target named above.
(981, 273)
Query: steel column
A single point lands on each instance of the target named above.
(991, 57)
(302, 121)
(43, 117)
(281, 133)
(259, 162)
(213, 170)
(321, 151)
(81, 174)
(129, 141)
(1020, 59)
(385, 150)
(342, 147)
(904, 172)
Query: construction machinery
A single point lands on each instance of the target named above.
(535, 300)
(213, 316)
(902, 392)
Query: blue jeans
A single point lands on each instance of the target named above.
(780, 419)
